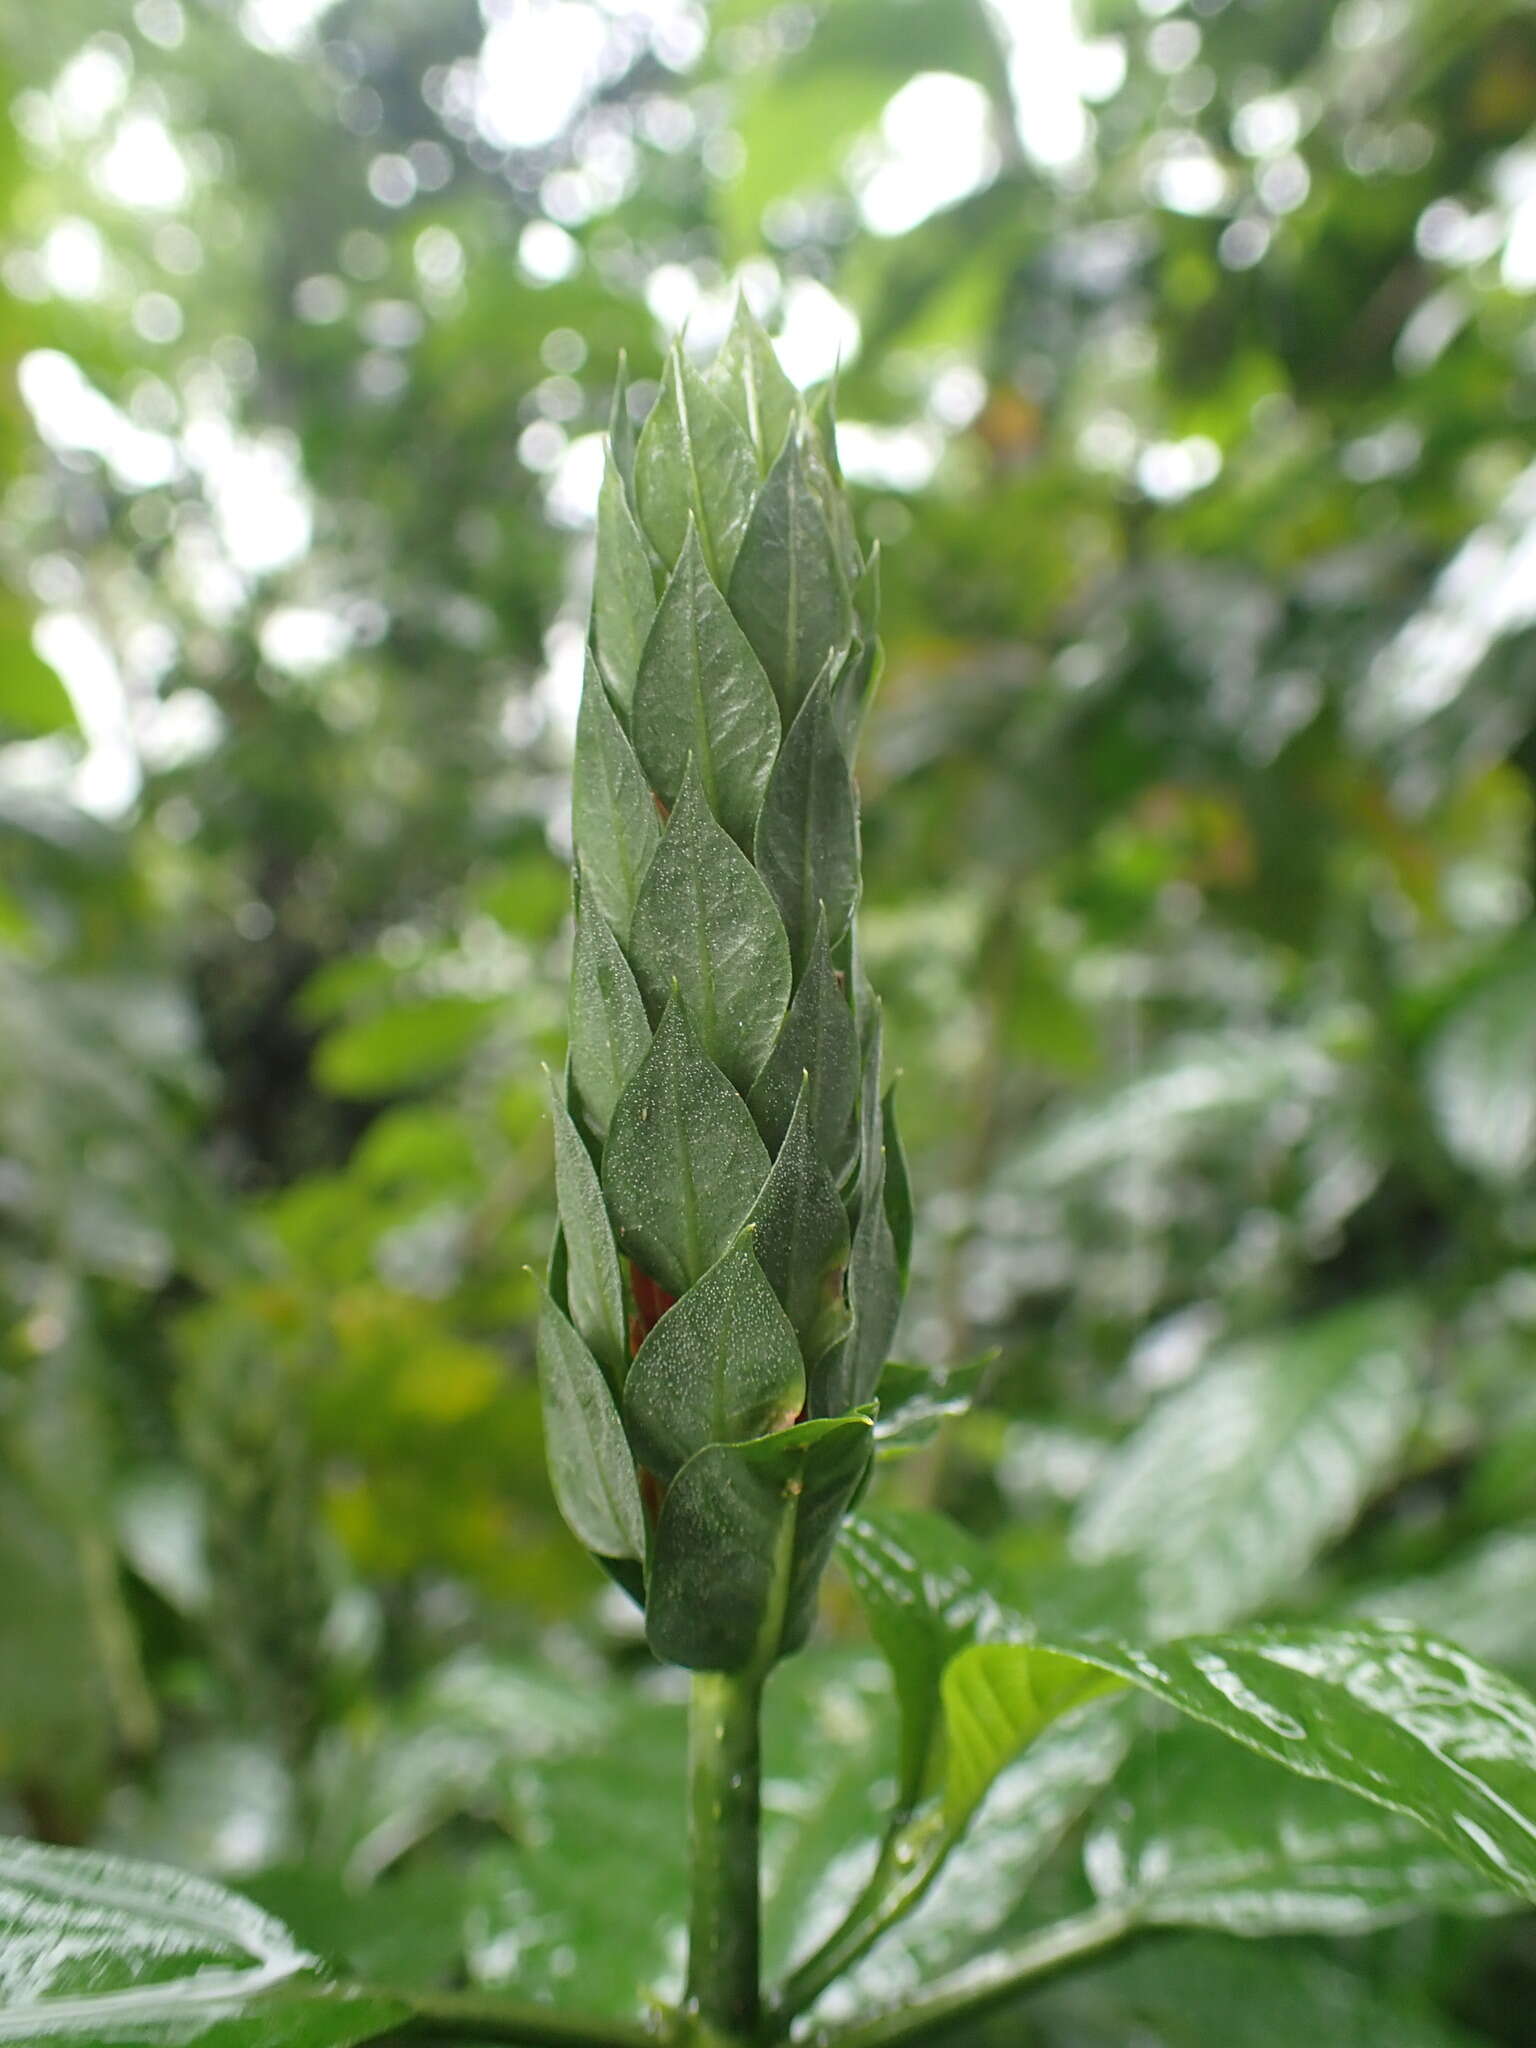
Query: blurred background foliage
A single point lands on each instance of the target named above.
(1187, 372)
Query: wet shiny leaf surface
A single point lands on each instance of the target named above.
(1197, 1832)
(1413, 1724)
(103, 1950)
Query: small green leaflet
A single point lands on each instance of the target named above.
(694, 463)
(801, 1237)
(786, 589)
(706, 927)
(721, 1365)
(819, 1040)
(609, 1030)
(594, 1289)
(623, 589)
(701, 696)
(745, 1533)
(590, 1467)
(806, 846)
(612, 812)
(683, 1165)
(745, 376)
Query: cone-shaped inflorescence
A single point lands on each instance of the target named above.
(733, 1212)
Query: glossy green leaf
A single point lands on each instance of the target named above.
(996, 1700)
(787, 587)
(623, 589)
(801, 1236)
(747, 379)
(701, 696)
(706, 927)
(721, 1365)
(1394, 1716)
(928, 1590)
(1198, 1832)
(818, 1040)
(683, 1165)
(594, 1289)
(590, 1467)
(1237, 1481)
(744, 1535)
(609, 1029)
(107, 1952)
(807, 842)
(613, 815)
(916, 1401)
(694, 463)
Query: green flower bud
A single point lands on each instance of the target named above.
(734, 1219)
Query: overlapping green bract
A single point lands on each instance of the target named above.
(724, 1080)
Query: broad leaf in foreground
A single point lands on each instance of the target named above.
(101, 1950)
(1198, 1832)
(1412, 1724)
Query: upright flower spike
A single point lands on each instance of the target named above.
(734, 1213)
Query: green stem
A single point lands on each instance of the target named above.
(467, 2016)
(992, 1980)
(897, 1882)
(724, 1802)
